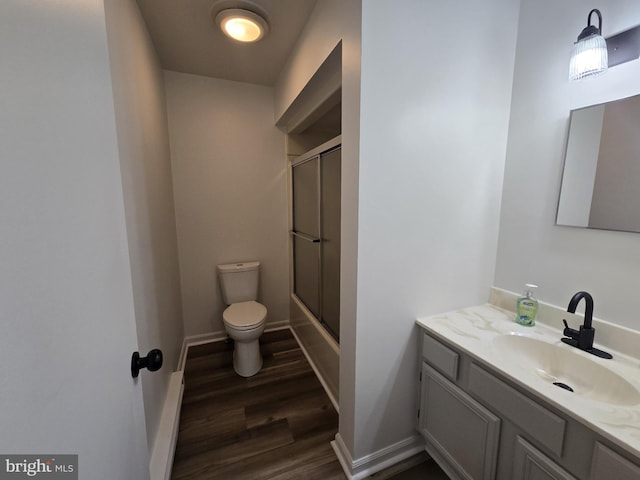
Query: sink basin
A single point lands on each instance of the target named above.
(565, 366)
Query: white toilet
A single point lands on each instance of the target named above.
(244, 318)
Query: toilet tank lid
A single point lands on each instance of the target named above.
(238, 267)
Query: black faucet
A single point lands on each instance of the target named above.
(583, 338)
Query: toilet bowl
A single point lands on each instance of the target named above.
(244, 318)
(244, 323)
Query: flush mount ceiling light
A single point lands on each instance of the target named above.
(242, 25)
(589, 56)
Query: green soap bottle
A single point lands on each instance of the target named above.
(527, 307)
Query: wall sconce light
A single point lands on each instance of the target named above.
(242, 25)
(592, 54)
(589, 56)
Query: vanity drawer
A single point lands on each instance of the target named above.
(539, 423)
(440, 356)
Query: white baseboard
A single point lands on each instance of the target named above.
(281, 325)
(376, 461)
(193, 340)
(165, 446)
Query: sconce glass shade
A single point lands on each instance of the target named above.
(589, 56)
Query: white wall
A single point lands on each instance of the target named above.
(143, 139)
(66, 303)
(229, 177)
(561, 260)
(331, 22)
(351, 17)
(433, 128)
(319, 37)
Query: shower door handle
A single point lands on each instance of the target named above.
(306, 237)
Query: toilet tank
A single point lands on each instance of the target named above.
(239, 281)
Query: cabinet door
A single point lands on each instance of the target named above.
(608, 465)
(531, 464)
(463, 432)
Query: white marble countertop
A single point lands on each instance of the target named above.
(473, 330)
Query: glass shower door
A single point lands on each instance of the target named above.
(316, 236)
(330, 243)
(306, 233)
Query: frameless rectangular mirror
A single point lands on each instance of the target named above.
(601, 178)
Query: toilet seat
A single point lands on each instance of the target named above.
(244, 315)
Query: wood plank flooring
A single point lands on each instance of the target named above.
(275, 425)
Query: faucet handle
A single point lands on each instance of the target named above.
(570, 332)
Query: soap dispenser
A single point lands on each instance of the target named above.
(527, 307)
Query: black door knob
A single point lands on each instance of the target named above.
(152, 362)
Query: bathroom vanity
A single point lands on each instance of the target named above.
(495, 401)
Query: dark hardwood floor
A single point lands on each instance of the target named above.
(275, 425)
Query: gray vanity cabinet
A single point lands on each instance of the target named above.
(480, 426)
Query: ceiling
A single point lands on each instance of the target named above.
(187, 39)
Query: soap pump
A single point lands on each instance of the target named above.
(527, 307)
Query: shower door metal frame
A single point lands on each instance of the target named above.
(317, 153)
(309, 238)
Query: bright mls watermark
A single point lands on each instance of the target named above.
(51, 467)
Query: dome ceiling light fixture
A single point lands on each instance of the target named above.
(242, 25)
